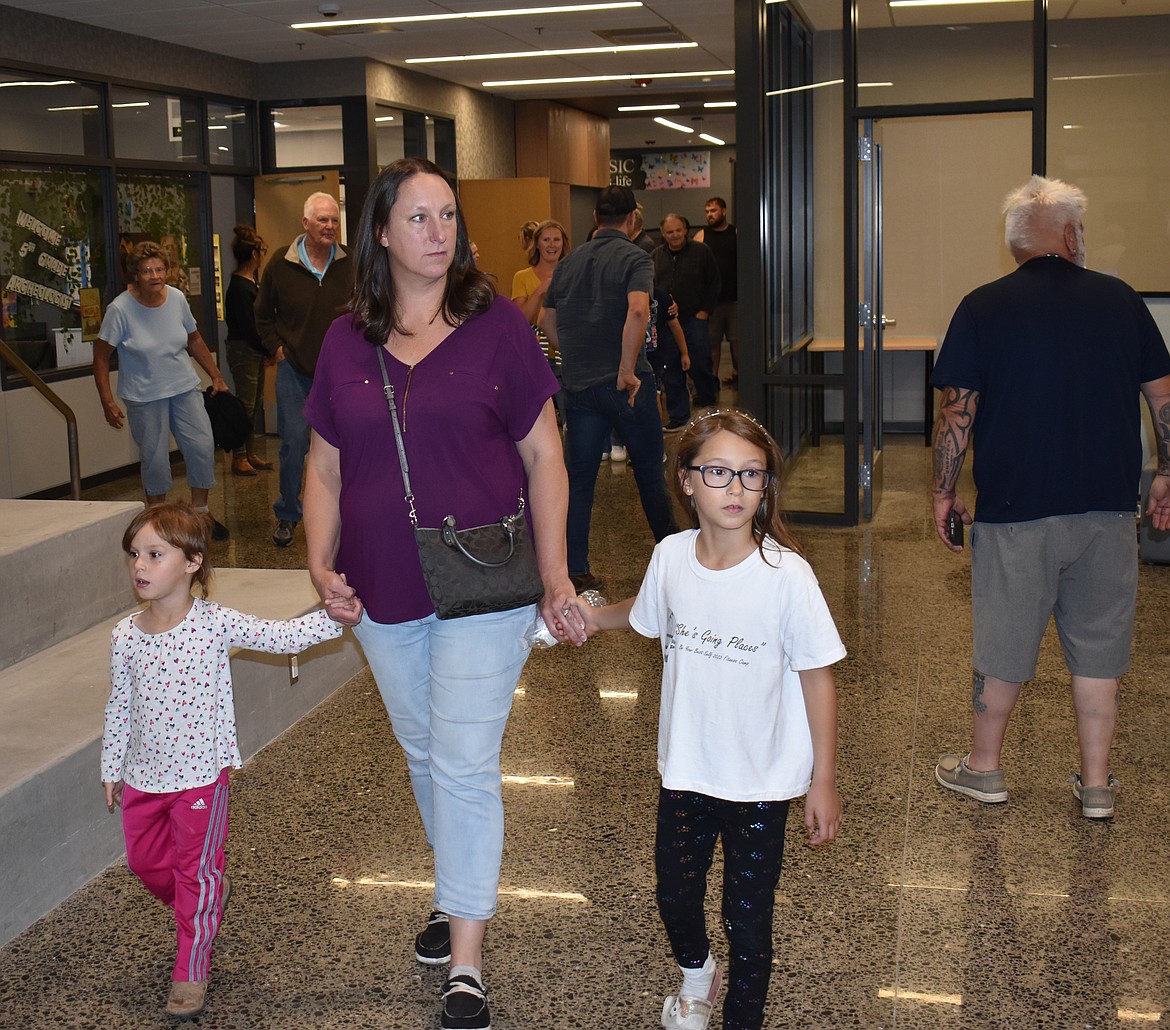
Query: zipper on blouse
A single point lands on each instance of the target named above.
(406, 394)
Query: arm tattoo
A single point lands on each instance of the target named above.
(1162, 432)
(956, 414)
(977, 686)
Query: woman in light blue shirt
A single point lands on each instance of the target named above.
(153, 331)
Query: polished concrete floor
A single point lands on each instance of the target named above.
(928, 911)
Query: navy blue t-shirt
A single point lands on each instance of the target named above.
(1058, 354)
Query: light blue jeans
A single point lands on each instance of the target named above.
(153, 423)
(447, 686)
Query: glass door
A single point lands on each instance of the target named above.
(871, 319)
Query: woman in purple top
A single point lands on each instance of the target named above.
(473, 395)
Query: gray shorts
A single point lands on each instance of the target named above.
(1080, 569)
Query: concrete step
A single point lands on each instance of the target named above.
(63, 570)
(55, 832)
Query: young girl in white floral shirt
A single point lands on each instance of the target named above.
(170, 726)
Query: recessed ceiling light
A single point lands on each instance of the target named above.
(554, 53)
(651, 107)
(712, 139)
(512, 12)
(719, 103)
(674, 125)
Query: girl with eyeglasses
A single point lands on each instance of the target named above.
(748, 717)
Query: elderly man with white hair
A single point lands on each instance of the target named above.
(301, 293)
(1042, 369)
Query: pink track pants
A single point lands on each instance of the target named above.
(174, 845)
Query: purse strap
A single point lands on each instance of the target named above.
(388, 391)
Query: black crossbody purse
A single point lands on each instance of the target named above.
(470, 571)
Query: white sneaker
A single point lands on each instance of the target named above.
(617, 454)
(691, 1013)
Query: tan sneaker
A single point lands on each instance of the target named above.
(187, 998)
(953, 773)
(1096, 802)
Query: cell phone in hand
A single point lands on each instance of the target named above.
(955, 528)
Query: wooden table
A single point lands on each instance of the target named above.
(892, 345)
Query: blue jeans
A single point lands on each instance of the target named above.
(292, 390)
(447, 686)
(153, 423)
(592, 414)
(698, 335)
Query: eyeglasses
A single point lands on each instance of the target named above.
(719, 478)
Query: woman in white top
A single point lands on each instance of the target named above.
(153, 331)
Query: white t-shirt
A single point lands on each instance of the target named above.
(733, 723)
(171, 720)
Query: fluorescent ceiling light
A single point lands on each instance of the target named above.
(137, 103)
(674, 125)
(713, 139)
(223, 149)
(212, 128)
(47, 82)
(651, 107)
(555, 53)
(607, 78)
(1090, 78)
(512, 12)
(818, 85)
(75, 107)
(385, 118)
(720, 103)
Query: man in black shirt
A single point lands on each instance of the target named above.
(687, 271)
(721, 236)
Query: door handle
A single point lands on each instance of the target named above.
(888, 321)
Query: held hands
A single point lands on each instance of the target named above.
(561, 613)
(341, 601)
(113, 794)
(822, 812)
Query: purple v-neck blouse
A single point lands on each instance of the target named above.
(462, 409)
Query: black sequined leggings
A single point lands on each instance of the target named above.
(753, 848)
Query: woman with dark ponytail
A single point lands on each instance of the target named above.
(245, 354)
